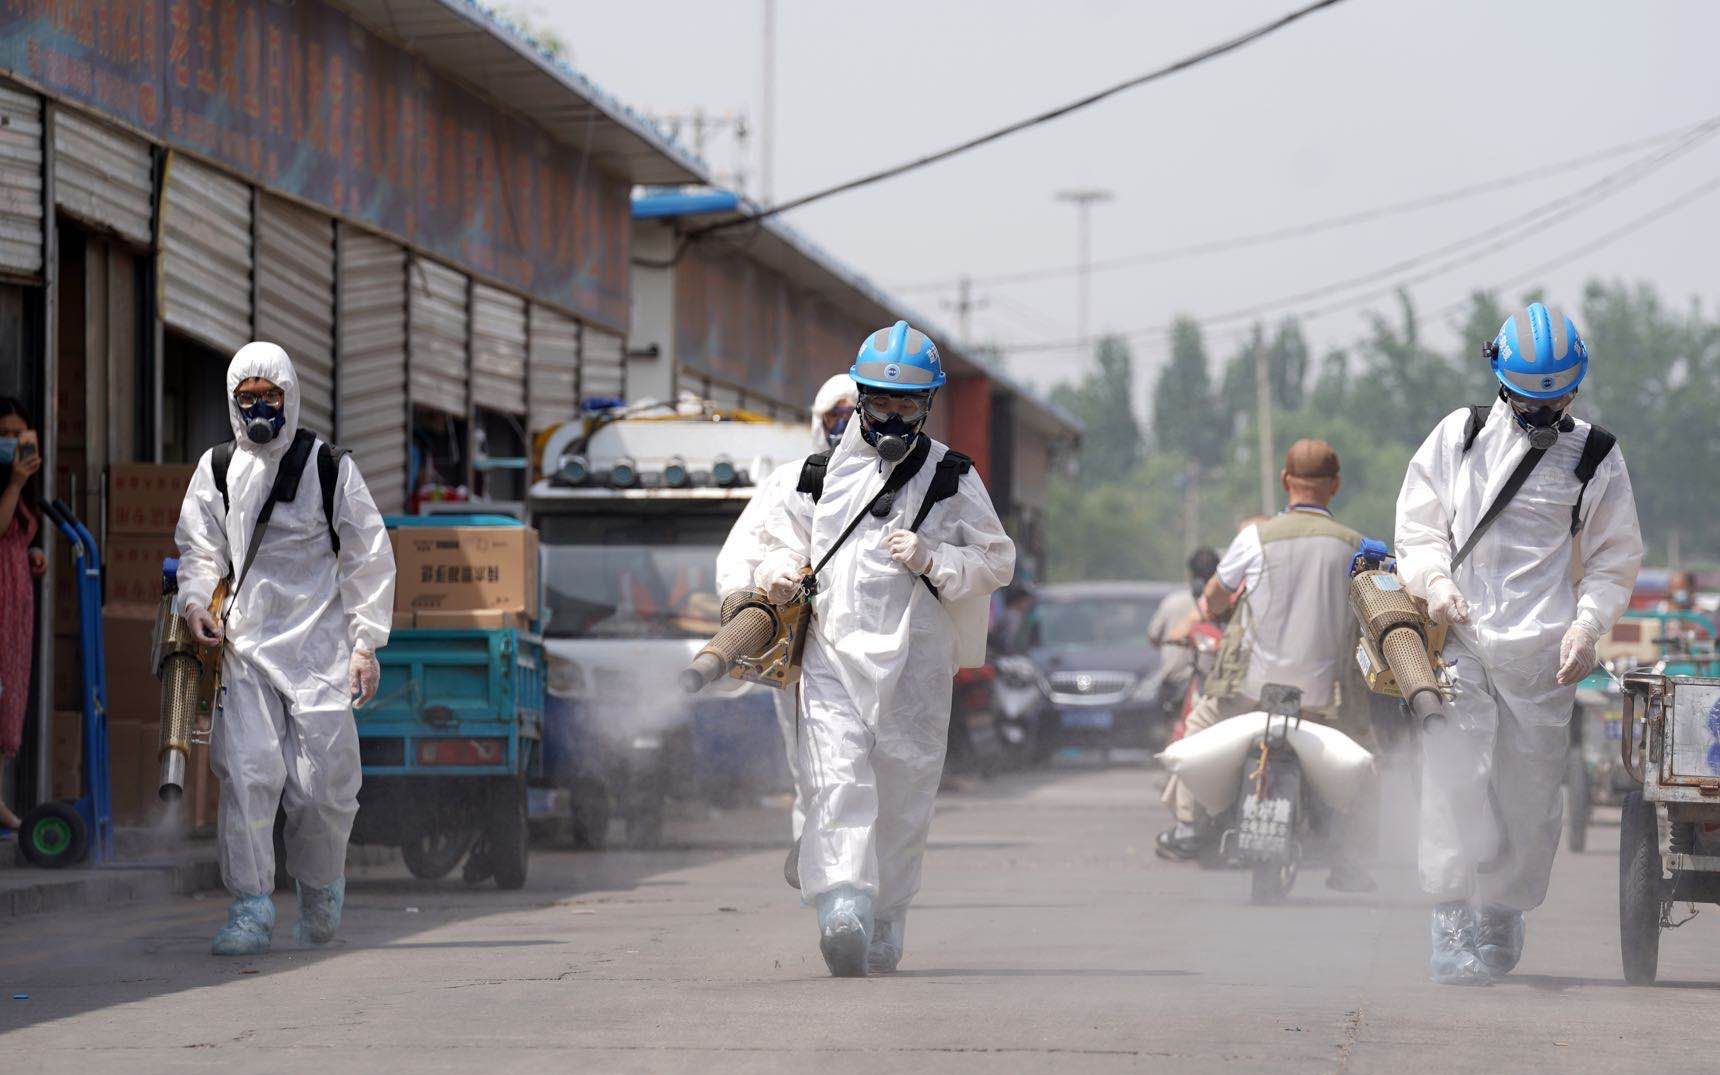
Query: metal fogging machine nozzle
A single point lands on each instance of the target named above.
(750, 627)
(178, 662)
(1395, 633)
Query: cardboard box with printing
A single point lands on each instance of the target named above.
(465, 569)
(134, 568)
(128, 638)
(144, 498)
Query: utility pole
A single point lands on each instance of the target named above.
(964, 306)
(1083, 200)
(1263, 424)
(767, 123)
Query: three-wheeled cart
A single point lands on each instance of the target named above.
(1669, 837)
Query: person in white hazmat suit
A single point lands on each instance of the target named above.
(301, 640)
(742, 551)
(1523, 634)
(884, 648)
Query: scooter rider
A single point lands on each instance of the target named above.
(312, 607)
(897, 607)
(832, 408)
(1293, 627)
(1488, 532)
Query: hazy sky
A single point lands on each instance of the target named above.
(1372, 102)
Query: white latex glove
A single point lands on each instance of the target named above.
(907, 549)
(363, 673)
(205, 628)
(1444, 603)
(1577, 652)
(783, 586)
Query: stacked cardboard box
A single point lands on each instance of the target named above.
(465, 576)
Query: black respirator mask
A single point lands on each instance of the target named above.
(892, 435)
(1543, 424)
(263, 421)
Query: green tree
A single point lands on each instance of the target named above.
(1187, 419)
(1104, 402)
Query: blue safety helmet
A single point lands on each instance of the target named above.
(899, 358)
(1539, 353)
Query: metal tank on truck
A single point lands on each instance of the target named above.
(632, 505)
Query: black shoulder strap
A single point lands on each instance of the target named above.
(220, 458)
(812, 475)
(1595, 449)
(1512, 484)
(902, 475)
(286, 487)
(945, 481)
(1478, 413)
(328, 473)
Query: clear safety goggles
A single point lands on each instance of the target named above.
(274, 397)
(880, 407)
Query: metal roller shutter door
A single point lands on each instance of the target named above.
(602, 364)
(295, 300)
(104, 176)
(498, 350)
(206, 254)
(553, 369)
(372, 370)
(437, 336)
(20, 182)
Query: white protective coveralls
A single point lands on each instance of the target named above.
(1508, 723)
(286, 735)
(744, 548)
(879, 667)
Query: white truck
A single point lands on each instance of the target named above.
(631, 506)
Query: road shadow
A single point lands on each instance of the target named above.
(1552, 983)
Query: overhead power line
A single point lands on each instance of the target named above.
(1441, 259)
(1194, 60)
(1315, 227)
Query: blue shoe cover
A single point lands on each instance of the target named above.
(844, 930)
(1453, 961)
(884, 954)
(250, 921)
(319, 912)
(1499, 938)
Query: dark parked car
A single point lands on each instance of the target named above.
(1091, 672)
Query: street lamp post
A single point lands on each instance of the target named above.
(1083, 200)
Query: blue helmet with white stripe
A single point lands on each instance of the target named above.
(900, 358)
(1539, 353)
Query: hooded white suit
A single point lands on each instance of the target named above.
(879, 667)
(286, 735)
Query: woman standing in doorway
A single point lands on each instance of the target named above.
(20, 565)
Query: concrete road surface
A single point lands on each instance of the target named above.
(1048, 937)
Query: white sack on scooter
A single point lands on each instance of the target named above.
(1209, 762)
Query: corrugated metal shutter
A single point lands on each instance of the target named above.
(372, 370)
(554, 368)
(103, 176)
(602, 364)
(498, 350)
(206, 254)
(20, 182)
(438, 336)
(295, 300)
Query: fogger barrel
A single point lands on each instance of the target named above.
(749, 628)
(1395, 628)
(179, 663)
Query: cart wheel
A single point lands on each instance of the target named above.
(54, 836)
(1579, 803)
(1272, 882)
(432, 855)
(1640, 889)
(509, 835)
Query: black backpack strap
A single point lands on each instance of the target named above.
(328, 473)
(945, 481)
(1600, 442)
(812, 475)
(902, 475)
(286, 487)
(1478, 413)
(1512, 484)
(220, 458)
